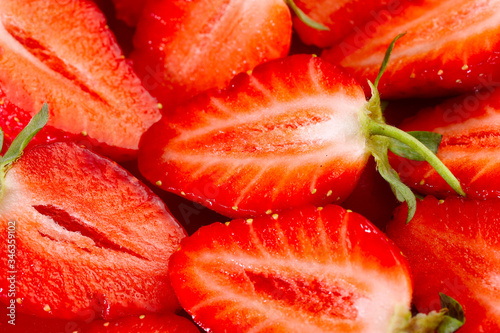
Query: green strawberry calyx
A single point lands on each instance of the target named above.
(419, 146)
(448, 320)
(17, 147)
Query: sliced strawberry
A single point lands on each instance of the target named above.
(168, 323)
(453, 247)
(308, 270)
(64, 54)
(342, 18)
(470, 147)
(129, 11)
(89, 238)
(185, 47)
(450, 47)
(285, 136)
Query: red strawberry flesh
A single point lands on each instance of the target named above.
(449, 47)
(308, 270)
(89, 237)
(186, 47)
(89, 86)
(282, 137)
(453, 247)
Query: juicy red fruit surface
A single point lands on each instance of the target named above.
(449, 47)
(185, 47)
(308, 270)
(453, 247)
(285, 136)
(88, 84)
(90, 239)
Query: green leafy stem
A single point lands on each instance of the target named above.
(419, 146)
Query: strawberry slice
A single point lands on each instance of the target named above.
(342, 17)
(451, 46)
(286, 135)
(469, 147)
(64, 54)
(453, 247)
(168, 323)
(185, 47)
(88, 238)
(307, 270)
(295, 131)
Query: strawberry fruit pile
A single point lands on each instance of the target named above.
(132, 132)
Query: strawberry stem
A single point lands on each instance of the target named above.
(375, 128)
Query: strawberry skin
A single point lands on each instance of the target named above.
(285, 136)
(449, 47)
(89, 238)
(64, 54)
(186, 47)
(470, 146)
(453, 247)
(341, 17)
(307, 270)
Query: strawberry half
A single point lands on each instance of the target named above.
(87, 237)
(64, 54)
(308, 270)
(296, 131)
(286, 135)
(449, 46)
(453, 247)
(469, 147)
(186, 47)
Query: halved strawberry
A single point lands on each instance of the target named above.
(453, 247)
(470, 147)
(64, 54)
(449, 46)
(342, 18)
(284, 136)
(80, 236)
(167, 323)
(308, 270)
(185, 47)
(296, 131)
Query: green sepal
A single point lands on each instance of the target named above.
(429, 139)
(304, 18)
(21, 141)
(454, 317)
(448, 320)
(24, 137)
(387, 56)
(379, 146)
